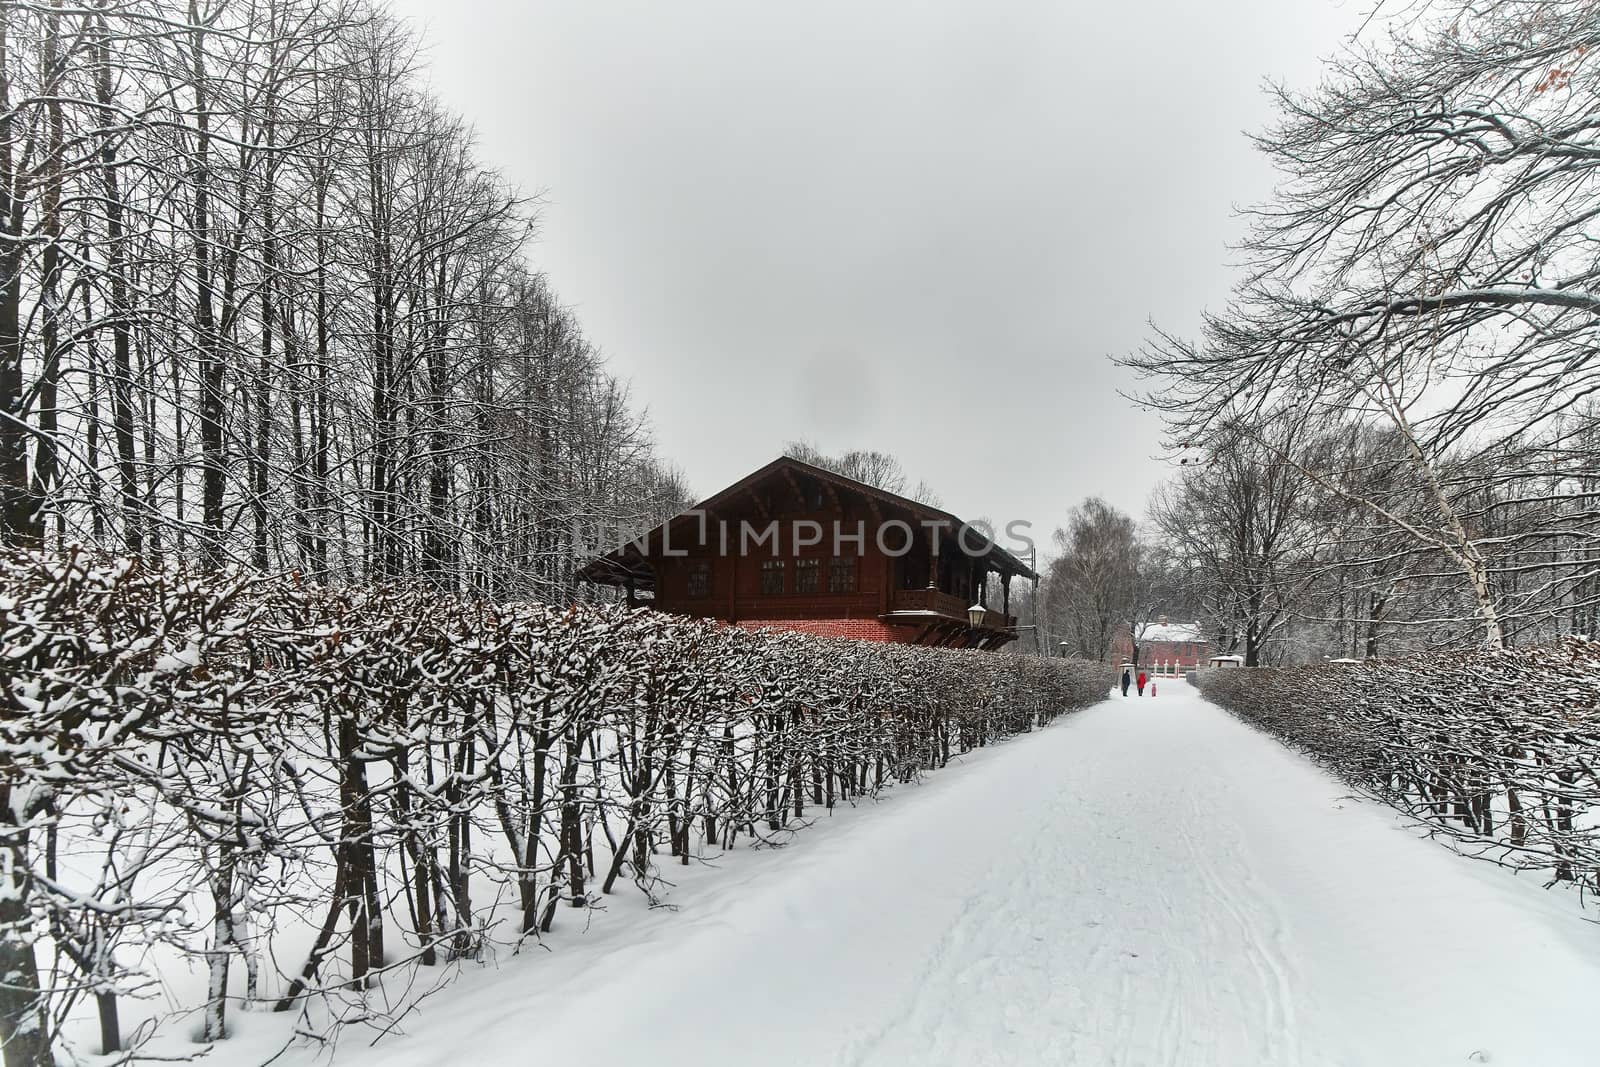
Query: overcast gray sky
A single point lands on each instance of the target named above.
(916, 227)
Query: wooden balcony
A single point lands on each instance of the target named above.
(936, 603)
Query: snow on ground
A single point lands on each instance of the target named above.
(1147, 882)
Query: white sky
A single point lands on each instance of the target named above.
(916, 227)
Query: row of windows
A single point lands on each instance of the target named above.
(808, 575)
(841, 576)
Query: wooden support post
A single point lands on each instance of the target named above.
(886, 584)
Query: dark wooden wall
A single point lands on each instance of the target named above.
(735, 592)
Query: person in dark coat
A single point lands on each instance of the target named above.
(1142, 679)
(1127, 679)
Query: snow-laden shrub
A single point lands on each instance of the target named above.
(1499, 750)
(209, 766)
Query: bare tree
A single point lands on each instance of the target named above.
(1427, 268)
(266, 305)
(1242, 527)
(864, 465)
(1093, 584)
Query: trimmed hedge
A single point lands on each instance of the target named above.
(1498, 750)
(230, 756)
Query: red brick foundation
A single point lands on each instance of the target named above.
(859, 629)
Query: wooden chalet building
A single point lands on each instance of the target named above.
(797, 547)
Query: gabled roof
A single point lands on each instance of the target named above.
(1172, 631)
(628, 562)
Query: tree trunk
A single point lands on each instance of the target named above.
(17, 506)
(24, 1026)
(213, 447)
(122, 421)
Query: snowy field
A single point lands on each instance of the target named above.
(1193, 894)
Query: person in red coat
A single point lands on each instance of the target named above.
(1142, 679)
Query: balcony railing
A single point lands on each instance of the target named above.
(946, 605)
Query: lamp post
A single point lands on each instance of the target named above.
(975, 617)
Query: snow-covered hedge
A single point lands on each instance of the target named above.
(250, 773)
(1500, 750)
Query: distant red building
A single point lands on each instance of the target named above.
(797, 547)
(1168, 647)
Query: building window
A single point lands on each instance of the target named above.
(842, 575)
(772, 577)
(699, 578)
(807, 574)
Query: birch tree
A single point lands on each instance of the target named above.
(1427, 267)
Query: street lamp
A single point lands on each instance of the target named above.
(975, 615)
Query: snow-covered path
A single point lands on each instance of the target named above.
(1147, 882)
